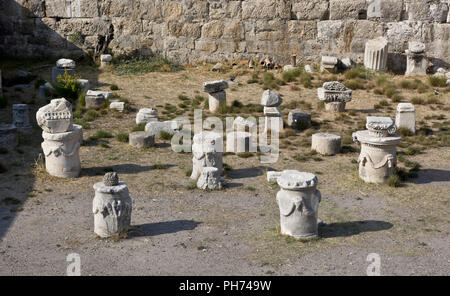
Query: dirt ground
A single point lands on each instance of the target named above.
(178, 230)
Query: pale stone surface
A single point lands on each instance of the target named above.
(141, 139)
(298, 201)
(416, 62)
(85, 84)
(59, 72)
(8, 135)
(378, 157)
(20, 117)
(146, 115)
(326, 144)
(210, 179)
(273, 119)
(289, 68)
(406, 117)
(94, 99)
(61, 153)
(238, 142)
(299, 119)
(309, 69)
(329, 64)
(347, 63)
(105, 60)
(215, 100)
(271, 99)
(156, 127)
(112, 206)
(242, 124)
(376, 54)
(105, 94)
(56, 117)
(335, 95)
(65, 63)
(272, 176)
(119, 106)
(215, 86)
(207, 151)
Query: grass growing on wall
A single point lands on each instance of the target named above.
(135, 64)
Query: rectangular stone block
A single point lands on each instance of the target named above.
(344, 9)
(310, 9)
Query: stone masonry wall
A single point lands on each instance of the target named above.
(217, 30)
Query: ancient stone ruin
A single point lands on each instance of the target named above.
(61, 139)
(146, 115)
(416, 60)
(207, 150)
(335, 95)
(274, 117)
(329, 64)
(378, 157)
(376, 54)
(8, 135)
(111, 206)
(299, 119)
(210, 179)
(216, 94)
(326, 144)
(63, 66)
(406, 117)
(21, 118)
(105, 60)
(298, 200)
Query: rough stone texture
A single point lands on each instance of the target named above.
(112, 206)
(272, 176)
(141, 139)
(215, 86)
(326, 144)
(376, 54)
(271, 99)
(378, 157)
(156, 127)
(298, 201)
(119, 106)
(111, 179)
(416, 62)
(8, 135)
(210, 179)
(146, 115)
(299, 119)
(329, 64)
(65, 63)
(335, 95)
(207, 151)
(20, 117)
(61, 153)
(192, 30)
(55, 117)
(215, 100)
(85, 84)
(94, 99)
(406, 117)
(105, 60)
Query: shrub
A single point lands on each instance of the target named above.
(113, 87)
(381, 80)
(101, 134)
(67, 87)
(237, 104)
(397, 98)
(165, 135)
(417, 101)
(122, 137)
(407, 84)
(390, 92)
(437, 81)
(91, 115)
(394, 181)
(404, 132)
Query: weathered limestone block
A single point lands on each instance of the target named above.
(61, 153)
(274, 119)
(8, 135)
(416, 62)
(329, 64)
(376, 54)
(141, 139)
(271, 99)
(55, 117)
(84, 83)
(434, 11)
(385, 10)
(326, 144)
(406, 117)
(266, 9)
(210, 179)
(216, 94)
(299, 119)
(207, 151)
(20, 117)
(94, 99)
(378, 157)
(119, 106)
(156, 127)
(241, 124)
(112, 206)
(238, 142)
(343, 9)
(146, 115)
(272, 176)
(335, 95)
(298, 200)
(105, 60)
(310, 9)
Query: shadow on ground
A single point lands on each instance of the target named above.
(121, 169)
(153, 229)
(431, 175)
(343, 229)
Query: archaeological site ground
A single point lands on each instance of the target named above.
(294, 137)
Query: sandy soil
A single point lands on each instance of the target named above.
(182, 231)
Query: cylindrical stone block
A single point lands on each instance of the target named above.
(62, 153)
(335, 106)
(216, 100)
(210, 179)
(112, 207)
(298, 201)
(406, 117)
(299, 119)
(326, 144)
(141, 139)
(376, 54)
